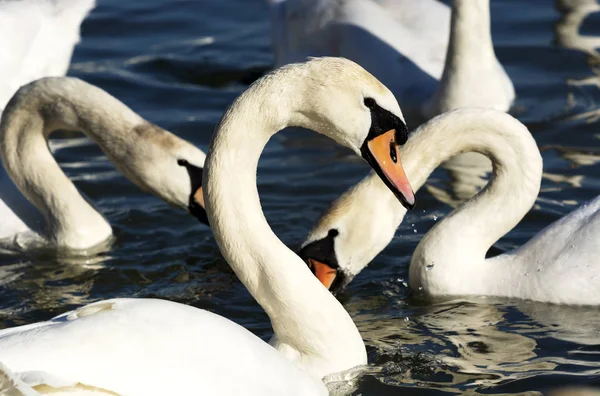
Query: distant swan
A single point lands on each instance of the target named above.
(153, 347)
(36, 40)
(432, 58)
(558, 265)
(40, 205)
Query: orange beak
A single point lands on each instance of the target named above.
(199, 197)
(324, 273)
(382, 154)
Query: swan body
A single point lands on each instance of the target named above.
(38, 203)
(38, 37)
(153, 347)
(432, 57)
(558, 265)
(159, 347)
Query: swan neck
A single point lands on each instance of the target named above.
(34, 112)
(307, 320)
(470, 35)
(515, 182)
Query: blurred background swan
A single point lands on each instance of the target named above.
(37, 39)
(433, 57)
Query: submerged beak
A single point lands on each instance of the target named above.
(381, 153)
(324, 273)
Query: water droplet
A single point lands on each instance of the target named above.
(435, 218)
(429, 267)
(404, 284)
(420, 287)
(406, 319)
(400, 280)
(415, 230)
(412, 225)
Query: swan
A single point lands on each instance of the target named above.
(37, 39)
(154, 347)
(435, 58)
(39, 205)
(558, 265)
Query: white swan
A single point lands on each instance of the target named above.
(39, 204)
(37, 39)
(432, 58)
(559, 265)
(153, 347)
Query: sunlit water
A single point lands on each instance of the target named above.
(180, 63)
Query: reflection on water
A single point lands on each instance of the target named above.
(181, 66)
(567, 29)
(456, 345)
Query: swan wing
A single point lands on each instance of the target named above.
(562, 259)
(153, 347)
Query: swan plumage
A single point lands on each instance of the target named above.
(153, 347)
(434, 59)
(39, 204)
(558, 265)
(37, 39)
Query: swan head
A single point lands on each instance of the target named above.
(347, 237)
(338, 98)
(167, 166)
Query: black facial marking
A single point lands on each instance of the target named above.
(195, 173)
(323, 250)
(383, 120)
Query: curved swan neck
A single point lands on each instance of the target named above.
(131, 143)
(473, 227)
(307, 320)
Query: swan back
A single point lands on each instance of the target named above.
(38, 37)
(132, 346)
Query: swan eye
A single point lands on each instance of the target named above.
(182, 162)
(370, 103)
(333, 233)
(393, 152)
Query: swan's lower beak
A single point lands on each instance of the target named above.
(196, 206)
(196, 199)
(324, 273)
(382, 154)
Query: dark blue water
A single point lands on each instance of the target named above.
(181, 63)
